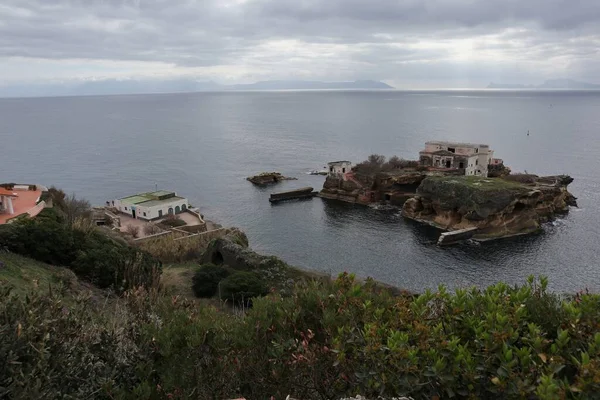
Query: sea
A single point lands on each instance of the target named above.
(204, 145)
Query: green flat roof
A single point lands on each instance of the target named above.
(152, 203)
(161, 193)
(136, 199)
(143, 197)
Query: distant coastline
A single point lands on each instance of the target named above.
(133, 86)
(549, 84)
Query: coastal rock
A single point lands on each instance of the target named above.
(266, 178)
(392, 187)
(233, 252)
(498, 207)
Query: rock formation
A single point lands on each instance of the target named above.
(233, 251)
(393, 187)
(498, 207)
(266, 178)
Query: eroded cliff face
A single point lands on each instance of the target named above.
(497, 207)
(350, 191)
(393, 187)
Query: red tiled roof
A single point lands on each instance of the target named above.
(6, 192)
(24, 202)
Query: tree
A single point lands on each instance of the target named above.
(75, 208)
(70, 206)
(376, 160)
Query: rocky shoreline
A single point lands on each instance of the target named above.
(497, 207)
(479, 207)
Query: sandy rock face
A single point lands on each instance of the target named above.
(498, 207)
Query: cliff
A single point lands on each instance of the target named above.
(498, 207)
(393, 187)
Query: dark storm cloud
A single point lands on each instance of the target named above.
(227, 32)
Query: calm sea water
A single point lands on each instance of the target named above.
(203, 145)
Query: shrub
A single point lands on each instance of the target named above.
(90, 253)
(206, 280)
(242, 286)
(151, 229)
(133, 230)
(172, 220)
(54, 349)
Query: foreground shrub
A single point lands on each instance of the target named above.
(205, 282)
(329, 340)
(242, 286)
(90, 253)
(53, 350)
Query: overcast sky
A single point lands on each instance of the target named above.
(406, 43)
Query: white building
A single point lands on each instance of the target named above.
(150, 206)
(339, 168)
(473, 158)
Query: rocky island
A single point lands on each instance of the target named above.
(457, 187)
(266, 178)
(497, 207)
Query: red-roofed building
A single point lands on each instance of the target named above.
(17, 200)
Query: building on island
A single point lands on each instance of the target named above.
(152, 205)
(339, 168)
(18, 199)
(470, 157)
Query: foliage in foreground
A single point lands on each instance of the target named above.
(90, 253)
(325, 341)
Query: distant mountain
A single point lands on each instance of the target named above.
(307, 85)
(549, 84)
(132, 86)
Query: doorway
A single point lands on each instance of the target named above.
(133, 213)
(448, 164)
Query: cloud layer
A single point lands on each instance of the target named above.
(404, 42)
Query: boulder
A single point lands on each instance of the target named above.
(497, 207)
(266, 178)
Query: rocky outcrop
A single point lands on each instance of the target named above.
(497, 207)
(392, 187)
(266, 178)
(233, 251)
(336, 188)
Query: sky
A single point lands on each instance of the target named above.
(405, 43)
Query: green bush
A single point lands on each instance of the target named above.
(206, 280)
(91, 255)
(56, 349)
(242, 286)
(329, 340)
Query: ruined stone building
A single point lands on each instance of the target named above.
(470, 157)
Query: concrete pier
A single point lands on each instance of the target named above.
(453, 237)
(302, 193)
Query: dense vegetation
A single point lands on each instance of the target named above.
(377, 163)
(61, 239)
(327, 340)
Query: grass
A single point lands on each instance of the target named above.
(25, 274)
(176, 279)
(480, 183)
